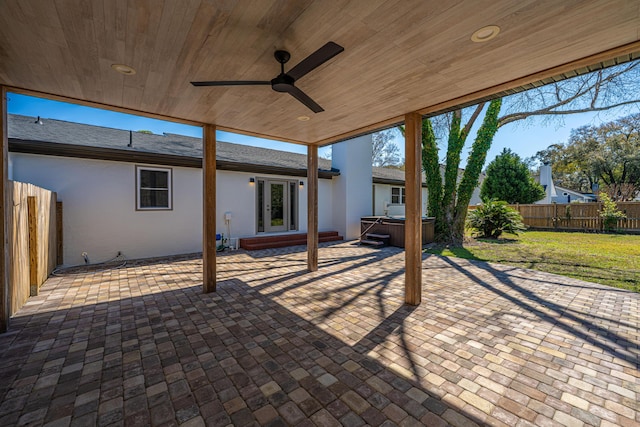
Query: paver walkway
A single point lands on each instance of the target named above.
(276, 345)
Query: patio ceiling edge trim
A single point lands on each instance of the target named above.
(465, 100)
(262, 135)
(125, 110)
(93, 104)
(502, 89)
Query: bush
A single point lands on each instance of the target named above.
(610, 213)
(508, 178)
(493, 218)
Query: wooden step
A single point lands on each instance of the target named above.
(378, 236)
(284, 240)
(371, 242)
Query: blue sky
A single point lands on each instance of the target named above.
(48, 109)
(524, 140)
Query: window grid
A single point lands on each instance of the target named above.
(153, 188)
(398, 195)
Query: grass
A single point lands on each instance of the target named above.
(609, 259)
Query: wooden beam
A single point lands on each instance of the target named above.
(262, 135)
(590, 60)
(4, 207)
(492, 91)
(312, 207)
(209, 208)
(109, 107)
(413, 211)
(375, 127)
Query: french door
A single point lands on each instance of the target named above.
(276, 205)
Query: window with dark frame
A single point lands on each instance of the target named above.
(153, 188)
(397, 195)
(260, 205)
(293, 205)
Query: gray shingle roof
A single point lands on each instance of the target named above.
(63, 132)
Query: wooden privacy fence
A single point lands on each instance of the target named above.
(577, 216)
(33, 240)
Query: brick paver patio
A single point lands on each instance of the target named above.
(276, 345)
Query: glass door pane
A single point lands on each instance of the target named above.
(277, 213)
(276, 206)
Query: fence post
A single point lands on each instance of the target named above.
(599, 218)
(555, 217)
(59, 253)
(32, 219)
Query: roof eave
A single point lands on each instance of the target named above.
(132, 156)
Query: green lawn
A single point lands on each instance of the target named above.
(609, 259)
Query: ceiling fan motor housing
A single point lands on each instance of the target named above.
(282, 83)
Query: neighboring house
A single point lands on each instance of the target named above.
(141, 194)
(557, 194)
(564, 195)
(389, 191)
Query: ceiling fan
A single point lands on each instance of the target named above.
(285, 82)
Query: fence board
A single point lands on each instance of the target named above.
(19, 282)
(32, 224)
(576, 216)
(25, 267)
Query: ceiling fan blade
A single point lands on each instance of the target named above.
(232, 83)
(304, 98)
(316, 59)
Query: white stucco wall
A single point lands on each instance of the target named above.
(325, 205)
(352, 196)
(99, 215)
(383, 194)
(546, 180)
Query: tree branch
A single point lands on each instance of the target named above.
(510, 118)
(472, 119)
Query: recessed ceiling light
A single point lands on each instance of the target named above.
(124, 69)
(485, 33)
(304, 118)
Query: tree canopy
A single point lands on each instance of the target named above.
(449, 195)
(605, 157)
(385, 152)
(509, 179)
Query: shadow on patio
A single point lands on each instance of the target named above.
(278, 345)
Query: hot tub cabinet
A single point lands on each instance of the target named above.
(394, 227)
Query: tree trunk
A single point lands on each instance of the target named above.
(452, 230)
(431, 166)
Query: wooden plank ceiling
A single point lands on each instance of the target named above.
(400, 56)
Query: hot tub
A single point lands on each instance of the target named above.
(394, 227)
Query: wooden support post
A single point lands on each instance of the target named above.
(413, 211)
(32, 221)
(4, 207)
(59, 235)
(312, 207)
(209, 208)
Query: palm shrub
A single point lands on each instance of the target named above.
(610, 213)
(493, 218)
